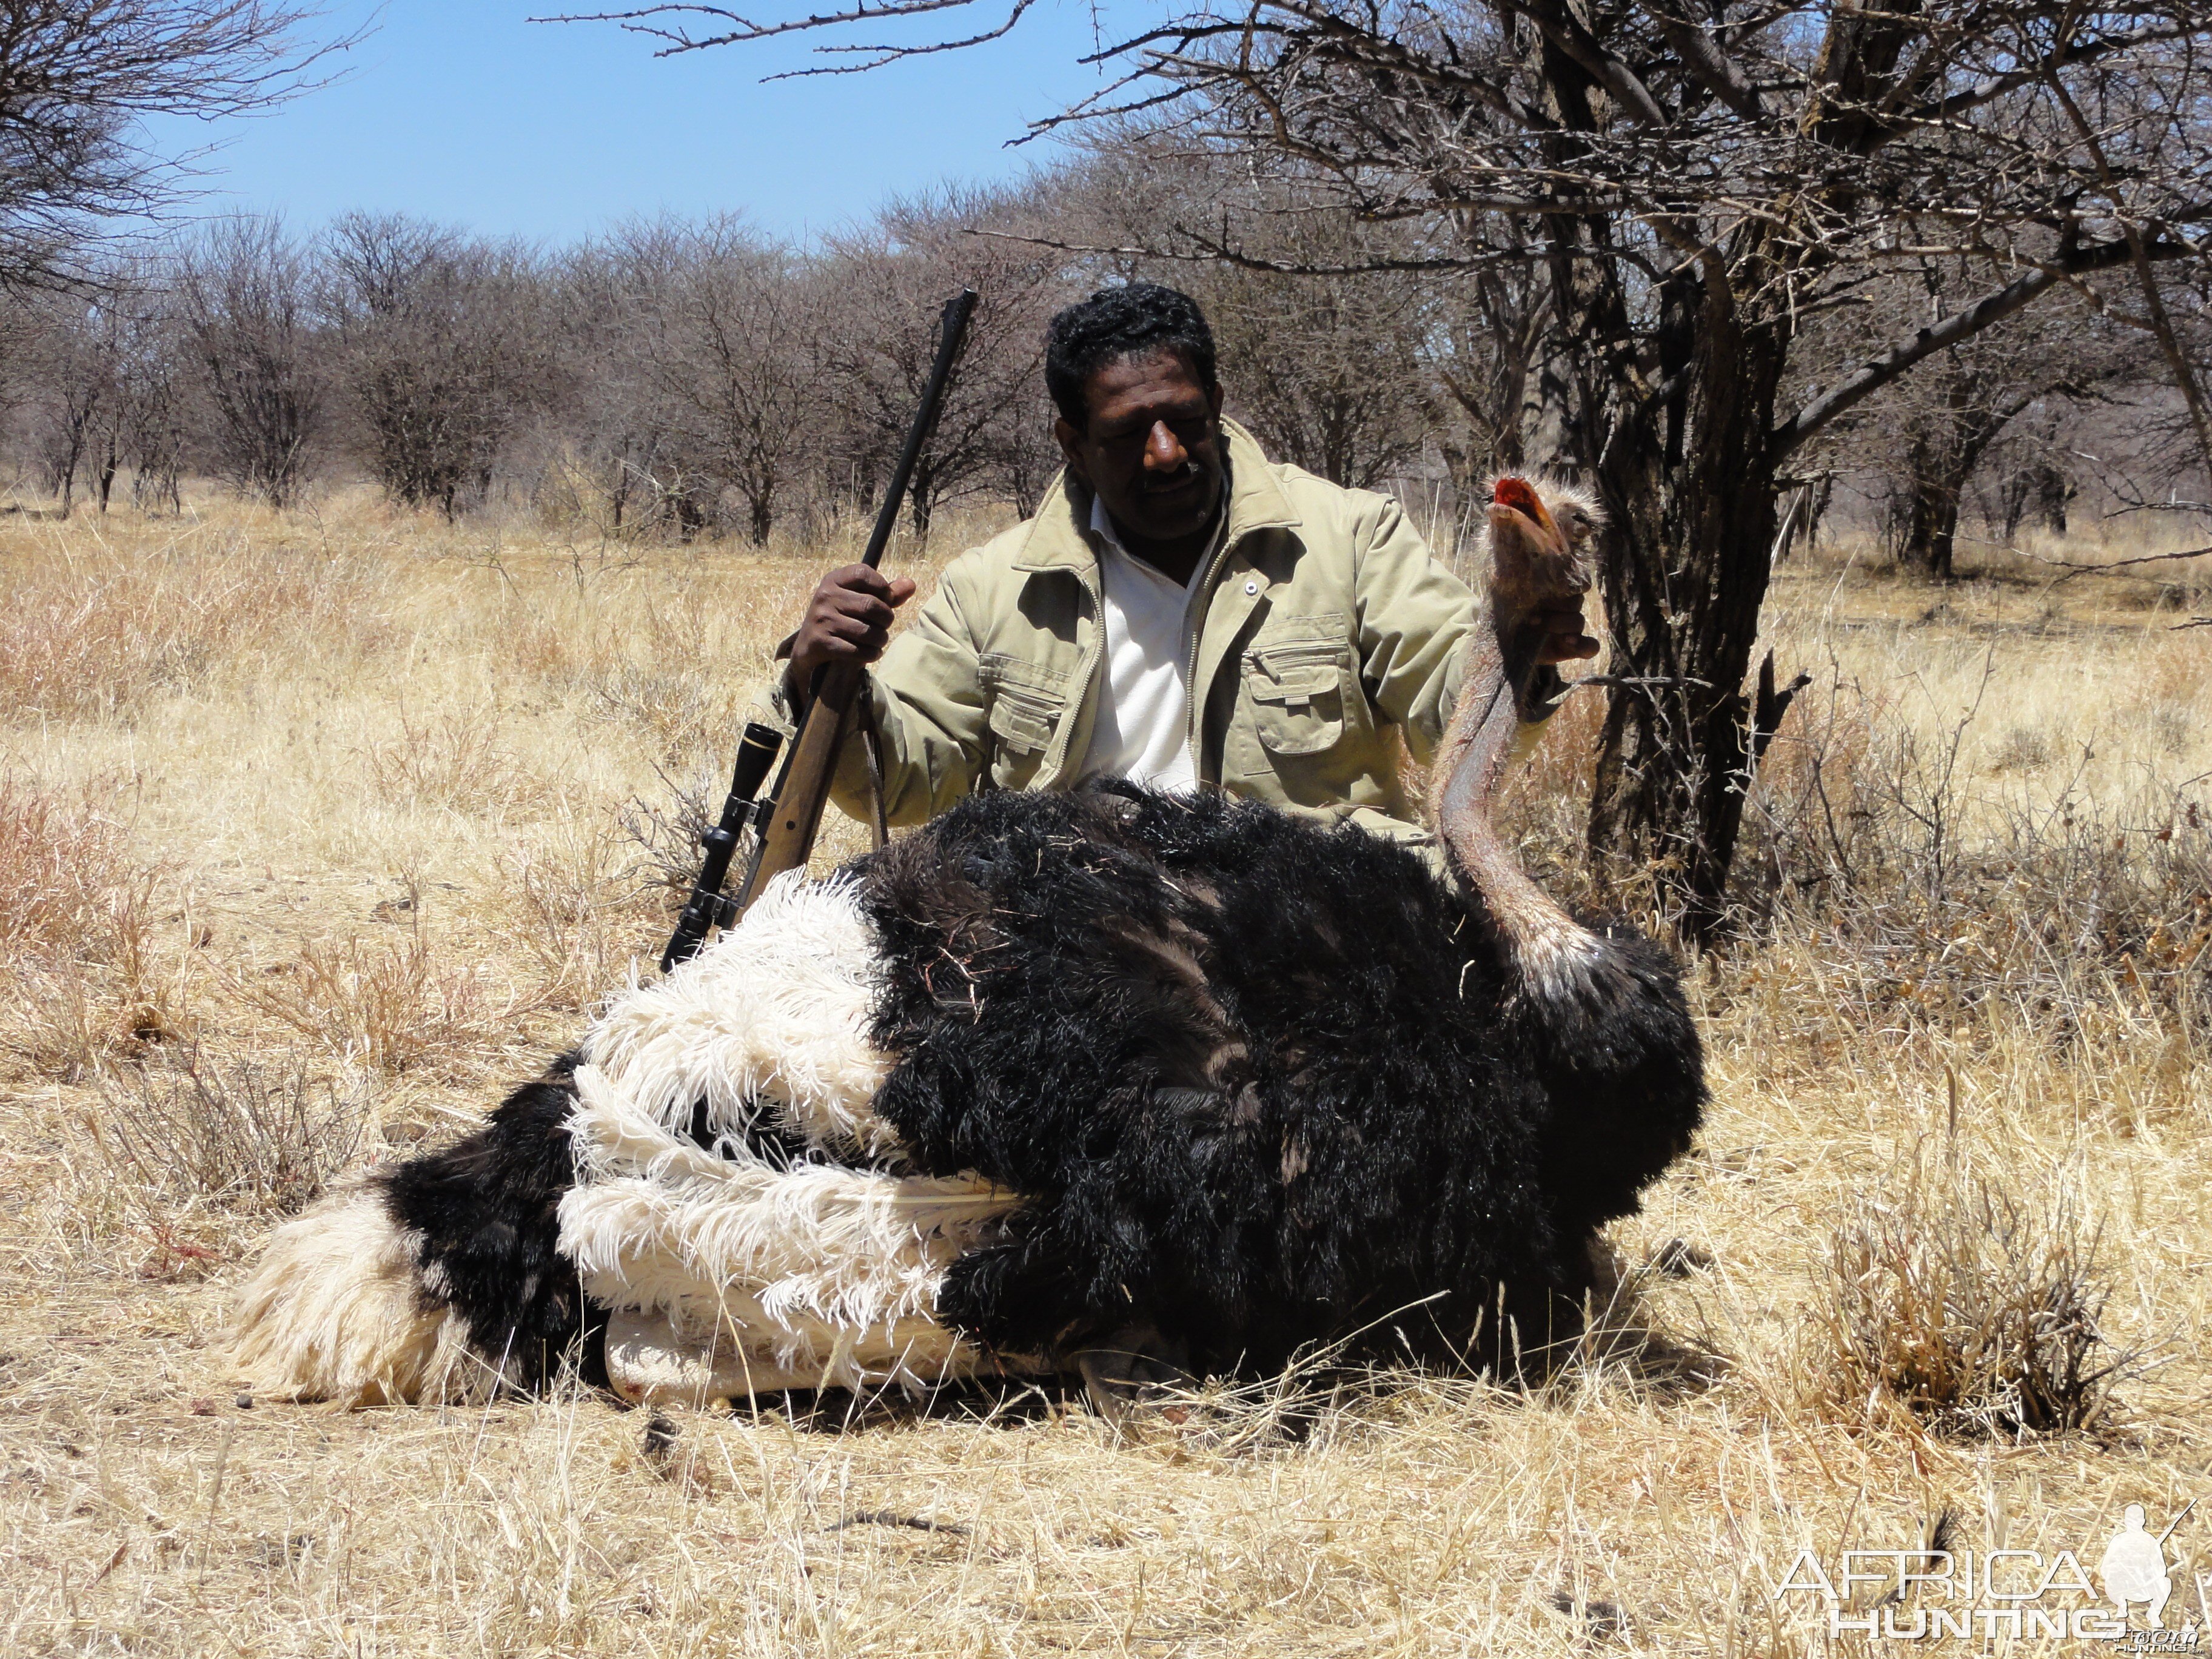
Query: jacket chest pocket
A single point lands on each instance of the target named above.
(1296, 691)
(1024, 719)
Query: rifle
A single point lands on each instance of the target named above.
(784, 825)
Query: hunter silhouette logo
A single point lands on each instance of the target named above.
(1932, 1590)
(2134, 1567)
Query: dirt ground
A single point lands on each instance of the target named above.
(348, 817)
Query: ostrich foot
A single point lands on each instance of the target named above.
(1134, 1369)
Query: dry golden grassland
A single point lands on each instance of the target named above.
(312, 838)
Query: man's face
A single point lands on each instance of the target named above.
(1151, 448)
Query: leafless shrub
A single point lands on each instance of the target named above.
(246, 301)
(98, 379)
(723, 333)
(452, 760)
(888, 281)
(1975, 1307)
(239, 1134)
(2024, 748)
(392, 1006)
(667, 836)
(573, 910)
(683, 711)
(55, 862)
(441, 350)
(81, 972)
(1948, 887)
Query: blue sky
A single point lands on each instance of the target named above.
(466, 112)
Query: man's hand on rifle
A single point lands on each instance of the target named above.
(848, 620)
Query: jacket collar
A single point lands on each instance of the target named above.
(1059, 537)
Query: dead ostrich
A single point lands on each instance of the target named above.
(1053, 1067)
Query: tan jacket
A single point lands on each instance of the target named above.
(1326, 620)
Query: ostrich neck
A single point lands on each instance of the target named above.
(1545, 944)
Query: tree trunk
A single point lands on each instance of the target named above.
(921, 496)
(1942, 462)
(1931, 505)
(1686, 573)
(1687, 481)
(2052, 492)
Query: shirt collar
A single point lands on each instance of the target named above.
(1102, 526)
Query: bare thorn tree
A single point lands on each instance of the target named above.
(889, 280)
(246, 301)
(724, 335)
(78, 79)
(437, 337)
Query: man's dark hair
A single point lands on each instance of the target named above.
(1134, 319)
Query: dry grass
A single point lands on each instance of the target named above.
(1975, 1306)
(330, 808)
(188, 1130)
(101, 630)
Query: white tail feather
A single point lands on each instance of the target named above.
(800, 1263)
(332, 1312)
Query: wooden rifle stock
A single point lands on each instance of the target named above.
(803, 788)
(796, 809)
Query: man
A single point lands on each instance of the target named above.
(1181, 611)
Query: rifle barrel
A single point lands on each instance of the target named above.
(803, 785)
(784, 840)
(951, 333)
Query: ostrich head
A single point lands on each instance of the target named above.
(1535, 542)
(1535, 548)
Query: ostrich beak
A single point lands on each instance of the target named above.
(1518, 512)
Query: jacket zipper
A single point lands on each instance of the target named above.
(1094, 655)
(1193, 711)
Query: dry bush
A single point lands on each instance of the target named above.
(190, 1127)
(96, 635)
(59, 863)
(81, 972)
(70, 1018)
(1948, 878)
(682, 712)
(452, 760)
(2055, 909)
(577, 915)
(667, 837)
(1973, 1305)
(392, 1005)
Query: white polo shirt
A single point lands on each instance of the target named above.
(1142, 729)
